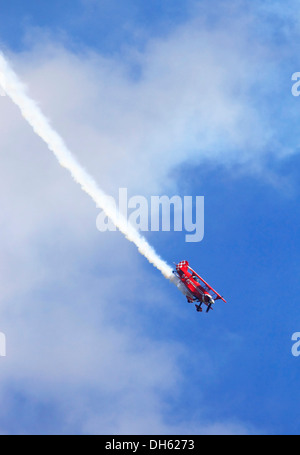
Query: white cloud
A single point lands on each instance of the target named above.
(187, 97)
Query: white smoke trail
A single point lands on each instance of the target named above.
(15, 89)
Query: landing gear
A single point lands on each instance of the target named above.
(198, 308)
(209, 307)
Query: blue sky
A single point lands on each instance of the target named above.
(84, 22)
(162, 98)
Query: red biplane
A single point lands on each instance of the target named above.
(194, 287)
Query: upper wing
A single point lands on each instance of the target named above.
(208, 287)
